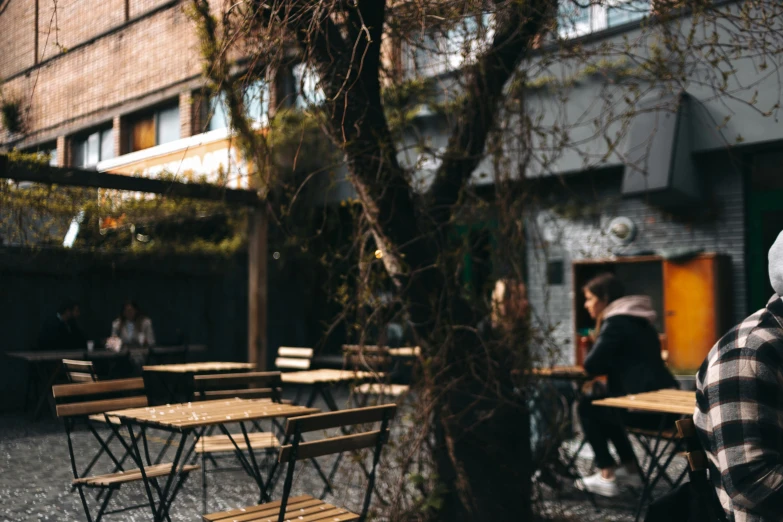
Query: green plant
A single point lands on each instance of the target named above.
(11, 112)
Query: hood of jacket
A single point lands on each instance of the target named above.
(633, 305)
(776, 265)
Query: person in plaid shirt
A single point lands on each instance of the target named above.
(739, 409)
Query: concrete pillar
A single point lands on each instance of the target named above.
(63, 152)
(186, 106)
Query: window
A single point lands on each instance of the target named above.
(46, 150)
(573, 20)
(88, 149)
(256, 106)
(625, 12)
(439, 52)
(306, 87)
(157, 127)
(577, 20)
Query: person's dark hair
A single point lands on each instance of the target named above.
(606, 287)
(139, 313)
(67, 305)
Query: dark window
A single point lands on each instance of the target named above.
(555, 272)
(90, 148)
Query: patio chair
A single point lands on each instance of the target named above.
(373, 359)
(79, 371)
(305, 507)
(251, 385)
(85, 402)
(293, 359)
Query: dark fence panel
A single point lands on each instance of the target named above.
(198, 298)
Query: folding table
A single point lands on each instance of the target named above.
(664, 402)
(193, 419)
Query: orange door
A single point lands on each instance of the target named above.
(142, 133)
(691, 312)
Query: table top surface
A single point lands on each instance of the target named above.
(43, 355)
(209, 413)
(679, 402)
(560, 372)
(199, 367)
(326, 375)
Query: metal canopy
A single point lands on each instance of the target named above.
(658, 162)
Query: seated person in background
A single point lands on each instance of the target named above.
(739, 416)
(627, 351)
(133, 327)
(61, 331)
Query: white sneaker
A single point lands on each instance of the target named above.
(628, 478)
(598, 485)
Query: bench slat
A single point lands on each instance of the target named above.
(290, 351)
(90, 407)
(222, 444)
(97, 388)
(130, 475)
(319, 448)
(323, 421)
(260, 379)
(291, 363)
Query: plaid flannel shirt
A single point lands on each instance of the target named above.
(739, 416)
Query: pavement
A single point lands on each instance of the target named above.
(35, 477)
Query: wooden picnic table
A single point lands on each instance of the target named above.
(192, 419)
(665, 403)
(173, 383)
(44, 366)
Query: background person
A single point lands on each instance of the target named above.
(627, 351)
(133, 327)
(61, 331)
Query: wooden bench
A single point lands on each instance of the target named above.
(293, 358)
(86, 402)
(305, 507)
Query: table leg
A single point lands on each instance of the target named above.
(250, 465)
(647, 479)
(46, 381)
(140, 463)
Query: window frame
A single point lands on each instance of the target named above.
(82, 140)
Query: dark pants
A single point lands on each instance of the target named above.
(601, 425)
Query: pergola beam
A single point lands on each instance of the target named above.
(41, 173)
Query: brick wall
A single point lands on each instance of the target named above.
(139, 64)
(64, 24)
(720, 229)
(17, 38)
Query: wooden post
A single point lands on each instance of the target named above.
(257, 285)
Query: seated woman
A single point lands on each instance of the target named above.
(133, 327)
(627, 351)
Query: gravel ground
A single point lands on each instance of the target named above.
(35, 477)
